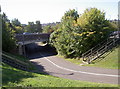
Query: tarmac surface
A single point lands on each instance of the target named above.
(46, 61)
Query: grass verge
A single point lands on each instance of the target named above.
(13, 77)
(21, 59)
(108, 60)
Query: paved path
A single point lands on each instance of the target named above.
(59, 67)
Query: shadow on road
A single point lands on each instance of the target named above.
(39, 68)
(34, 51)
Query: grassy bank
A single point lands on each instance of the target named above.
(13, 77)
(17, 56)
(108, 60)
(20, 59)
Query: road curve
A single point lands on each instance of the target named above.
(59, 67)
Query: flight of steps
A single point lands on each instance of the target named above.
(99, 50)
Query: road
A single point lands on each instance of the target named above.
(56, 66)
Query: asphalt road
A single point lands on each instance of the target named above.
(43, 57)
(47, 62)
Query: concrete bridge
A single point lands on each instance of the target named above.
(24, 39)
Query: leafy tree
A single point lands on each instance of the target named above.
(95, 27)
(16, 22)
(51, 27)
(114, 25)
(77, 35)
(18, 29)
(71, 14)
(33, 27)
(47, 29)
(38, 27)
(30, 27)
(16, 26)
(63, 38)
(4, 18)
(8, 41)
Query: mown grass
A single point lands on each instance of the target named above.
(13, 77)
(22, 59)
(17, 56)
(109, 60)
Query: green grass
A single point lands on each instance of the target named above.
(17, 56)
(108, 60)
(13, 77)
(21, 59)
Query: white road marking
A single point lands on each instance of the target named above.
(109, 75)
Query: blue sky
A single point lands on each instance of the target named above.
(52, 10)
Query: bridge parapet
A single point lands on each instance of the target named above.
(23, 39)
(30, 38)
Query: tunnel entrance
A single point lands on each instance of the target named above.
(34, 50)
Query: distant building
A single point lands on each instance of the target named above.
(51, 24)
(23, 25)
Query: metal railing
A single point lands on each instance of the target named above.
(14, 62)
(99, 50)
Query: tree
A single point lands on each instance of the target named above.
(71, 14)
(4, 18)
(51, 27)
(16, 22)
(16, 26)
(18, 29)
(63, 38)
(76, 36)
(30, 27)
(8, 41)
(38, 27)
(95, 27)
(47, 29)
(33, 27)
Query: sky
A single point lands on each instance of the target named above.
(48, 11)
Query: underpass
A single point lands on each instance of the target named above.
(45, 56)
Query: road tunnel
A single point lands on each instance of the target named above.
(39, 48)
